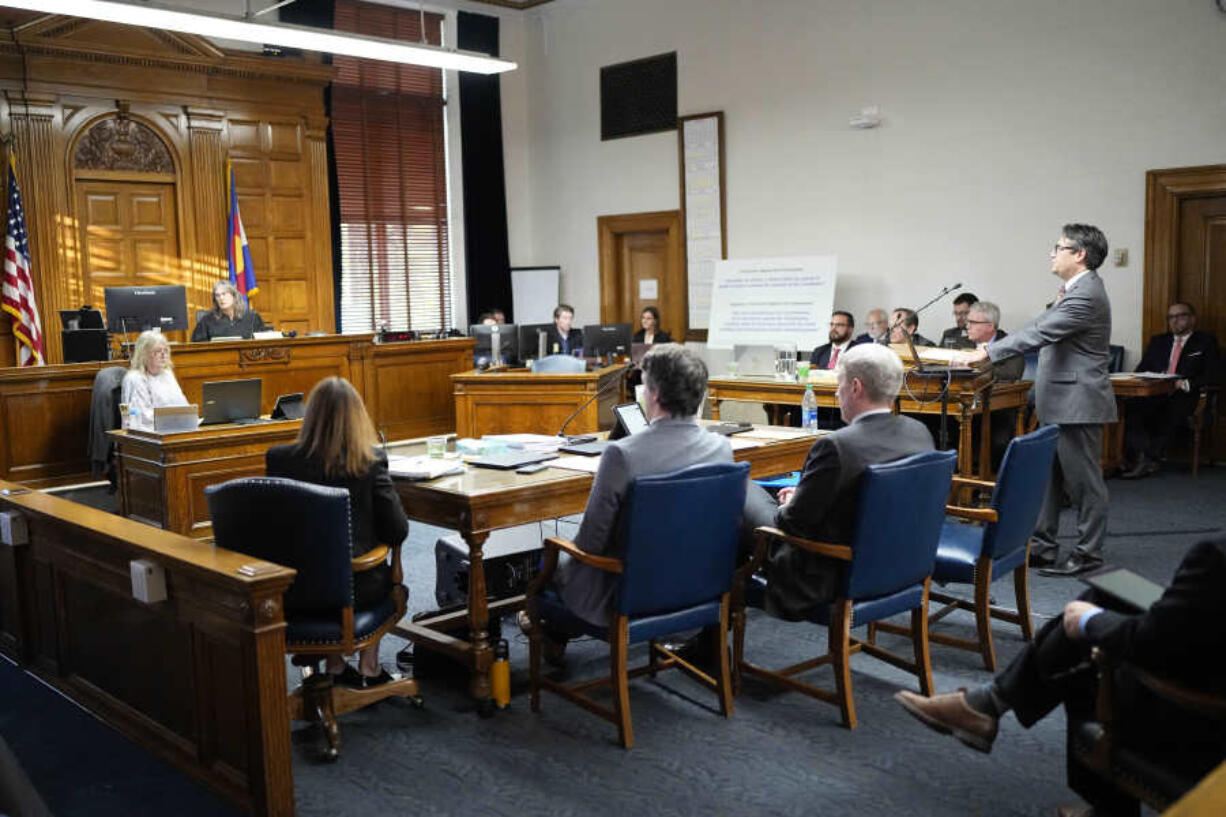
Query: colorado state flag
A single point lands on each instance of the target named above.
(242, 273)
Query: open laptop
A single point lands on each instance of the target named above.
(934, 369)
(231, 401)
(630, 420)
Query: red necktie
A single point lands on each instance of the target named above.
(1175, 352)
(834, 358)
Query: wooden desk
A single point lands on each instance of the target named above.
(162, 477)
(968, 397)
(44, 410)
(484, 500)
(198, 679)
(519, 401)
(1126, 386)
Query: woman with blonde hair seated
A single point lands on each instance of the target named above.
(150, 382)
(230, 316)
(336, 447)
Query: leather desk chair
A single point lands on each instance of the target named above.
(888, 570)
(307, 527)
(979, 554)
(675, 575)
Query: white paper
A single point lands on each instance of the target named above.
(422, 467)
(775, 433)
(649, 289)
(756, 301)
(576, 462)
(703, 217)
(740, 441)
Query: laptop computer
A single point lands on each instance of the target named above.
(231, 401)
(933, 369)
(630, 420)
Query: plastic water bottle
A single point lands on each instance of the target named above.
(133, 417)
(808, 410)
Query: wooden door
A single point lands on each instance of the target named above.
(1202, 261)
(641, 252)
(129, 236)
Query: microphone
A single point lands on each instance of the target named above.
(613, 381)
(383, 439)
(939, 296)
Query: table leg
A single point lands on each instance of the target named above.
(714, 398)
(985, 443)
(479, 623)
(966, 459)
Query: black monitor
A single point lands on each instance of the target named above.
(508, 343)
(84, 318)
(135, 309)
(529, 339)
(599, 339)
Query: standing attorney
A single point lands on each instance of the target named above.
(229, 317)
(1072, 390)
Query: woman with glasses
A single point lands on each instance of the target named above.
(150, 382)
(230, 316)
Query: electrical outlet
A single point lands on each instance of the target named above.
(1121, 257)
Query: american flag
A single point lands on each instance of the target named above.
(18, 291)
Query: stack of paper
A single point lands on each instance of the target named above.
(541, 443)
(422, 467)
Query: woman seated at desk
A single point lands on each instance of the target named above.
(230, 316)
(150, 383)
(650, 333)
(336, 447)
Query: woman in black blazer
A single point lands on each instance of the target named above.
(650, 333)
(336, 447)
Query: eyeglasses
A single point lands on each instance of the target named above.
(1070, 247)
(840, 325)
(1175, 315)
(978, 323)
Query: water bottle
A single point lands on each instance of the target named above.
(500, 675)
(808, 410)
(133, 417)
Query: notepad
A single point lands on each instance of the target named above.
(422, 467)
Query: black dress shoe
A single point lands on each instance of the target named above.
(349, 677)
(382, 678)
(1075, 565)
(1037, 559)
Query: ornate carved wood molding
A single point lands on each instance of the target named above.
(264, 354)
(122, 143)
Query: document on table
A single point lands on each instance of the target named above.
(528, 442)
(760, 433)
(422, 467)
(1146, 376)
(576, 463)
(740, 441)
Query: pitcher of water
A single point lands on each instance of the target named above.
(785, 362)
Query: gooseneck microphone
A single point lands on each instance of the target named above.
(614, 381)
(937, 297)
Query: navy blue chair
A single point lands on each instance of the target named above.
(307, 527)
(888, 567)
(979, 554)
(678, 538)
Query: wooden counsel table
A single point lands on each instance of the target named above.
(1125, 386)
(162, 477)
(44, 410)
(483, 500)
(517, 401)
(977, 395)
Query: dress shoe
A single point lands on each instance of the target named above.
(1037, 559)
(370, 681)
(348, 677)
(1143, 468)
(1075, 565)
(950, 714)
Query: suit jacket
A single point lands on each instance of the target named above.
(574, 340)
(1007, 369)
(820, 359)
(667, 444)
(1071, 384)
(1199, 361)
(213, 326)
(865, 337)
(376, 515)
(659, 337)
(955, 338)
(824, 506)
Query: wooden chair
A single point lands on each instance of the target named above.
(979, 554)
(888, 568)
(1202, 424)
(1136, 768)
(307, 527)
(679, 537)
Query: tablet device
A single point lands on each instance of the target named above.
(289, 407)
(1125, 586)
(630, 419)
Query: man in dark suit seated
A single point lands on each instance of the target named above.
(826, 356)
(876, 325)
(823, 504)
(956, 337)
(1191, 354)
(1182, 638)
(903, 322)
(563, 338)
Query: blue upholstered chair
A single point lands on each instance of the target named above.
(306, 527)
(678, 537)
(888, 568)
(978, 554)
(559, 364)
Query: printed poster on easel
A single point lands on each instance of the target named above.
(701, 145)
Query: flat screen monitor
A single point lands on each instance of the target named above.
(508, 343)
(135, 309)
(529, 339)
(231, 401)
(599, 339)
(84, 318)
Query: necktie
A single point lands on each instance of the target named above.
(1176, 349)
(834, 358)
(1060, 294)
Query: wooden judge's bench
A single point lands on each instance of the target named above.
(45, 410)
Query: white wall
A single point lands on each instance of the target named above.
(1003, 120)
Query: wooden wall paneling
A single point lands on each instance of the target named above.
(407, 387)
(323, 316)
(208, 185)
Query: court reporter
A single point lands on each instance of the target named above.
(150, 382)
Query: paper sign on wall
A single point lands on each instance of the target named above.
(649, 289)
(772, 300)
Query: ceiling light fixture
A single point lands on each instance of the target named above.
(288, 36)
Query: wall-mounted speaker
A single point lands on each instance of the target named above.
(638, 97)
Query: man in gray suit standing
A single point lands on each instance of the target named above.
(1073, 391)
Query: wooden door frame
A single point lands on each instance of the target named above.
(1165, 191)
(610, 228)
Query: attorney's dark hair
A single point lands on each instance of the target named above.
(677, 376)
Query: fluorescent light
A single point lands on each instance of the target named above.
(308, 39)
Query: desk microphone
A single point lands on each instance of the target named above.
(383, 439)
(612, 382)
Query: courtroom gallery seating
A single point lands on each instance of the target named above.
(307, 527)
(675, 574)
(888, 571)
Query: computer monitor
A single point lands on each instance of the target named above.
(599, 339)
(84, 318)
(529, 339)
(508, 343)
(135, 309)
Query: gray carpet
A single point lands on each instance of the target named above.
(781, 753)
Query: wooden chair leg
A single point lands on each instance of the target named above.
(919, 640)
(872, 632)
(618, 646)
(653, 659)
(317, 702)
(839, 636)
(724, 686)
(1021, 590)
(983, 613)
(738, 648)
